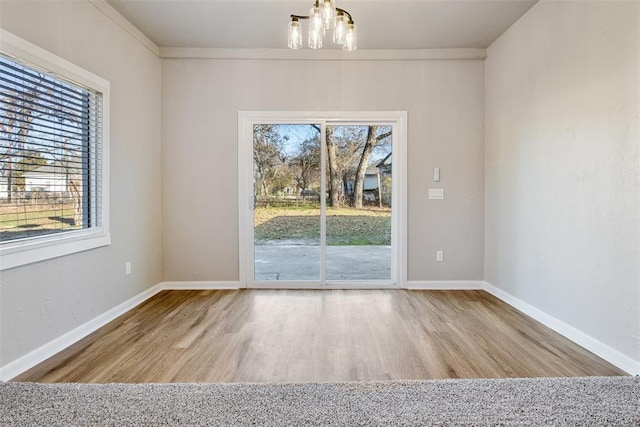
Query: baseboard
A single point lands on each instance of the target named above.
(49, 349)
(198, 285)
(443, 284)
(53, 347)
(414, 284)
(595, 346)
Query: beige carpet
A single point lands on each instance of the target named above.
(541, 401)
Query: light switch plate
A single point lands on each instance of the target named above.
(436, 193)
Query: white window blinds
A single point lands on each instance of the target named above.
(50, 153)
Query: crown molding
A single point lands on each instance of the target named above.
(324, 55)
(127, 26)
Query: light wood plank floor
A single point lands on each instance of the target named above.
(325, 335)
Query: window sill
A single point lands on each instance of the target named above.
(29, 251)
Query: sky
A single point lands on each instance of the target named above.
(298, 133)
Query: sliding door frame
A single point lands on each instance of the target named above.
(246, 121)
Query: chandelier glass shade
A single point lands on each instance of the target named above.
(323, 16)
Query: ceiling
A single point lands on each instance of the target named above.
(382, 24)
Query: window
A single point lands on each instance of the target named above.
(52, 156)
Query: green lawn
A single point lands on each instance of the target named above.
(34, 220)
(345, 226)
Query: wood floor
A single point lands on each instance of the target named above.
(325, 335)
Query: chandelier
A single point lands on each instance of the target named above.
(323, 16)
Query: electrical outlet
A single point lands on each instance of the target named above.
(439, 255)
(127, 268)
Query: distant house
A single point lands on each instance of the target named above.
(372, 177)
(47, 179)
(384, 165)
(371, 180)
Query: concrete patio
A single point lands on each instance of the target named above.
(291, 262)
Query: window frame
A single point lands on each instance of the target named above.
(35, 249)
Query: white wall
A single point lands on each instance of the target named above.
(561, 160)
(40, 302)
(201, 100)
(562, 167)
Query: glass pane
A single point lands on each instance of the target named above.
(286, 165)
(359, 202)
(47, 142)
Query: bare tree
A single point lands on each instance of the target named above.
(372, 141)
(305, 165)
(332, 168)
(342, 151)
(66, 152)
(354, 145)
(44, 122)
(334, 172)
(17, 119)
(268, 155)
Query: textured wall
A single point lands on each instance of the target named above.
(40, 302)
(562, 166)
(201, 100)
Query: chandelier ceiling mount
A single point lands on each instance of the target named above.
(323, 16)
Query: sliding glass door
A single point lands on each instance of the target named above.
(287, 205)
(321, 210)
(358, 213)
